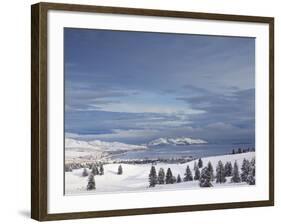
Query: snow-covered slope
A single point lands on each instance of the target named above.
(86, 151)
(115, 146)
(176, 141)
(97, 145)
(135, 177)
(78, 144)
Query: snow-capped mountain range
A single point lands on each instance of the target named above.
(176, 141)
(87, 151)
(97, 145)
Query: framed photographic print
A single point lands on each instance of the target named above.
(140, 111)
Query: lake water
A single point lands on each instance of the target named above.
(171, 151)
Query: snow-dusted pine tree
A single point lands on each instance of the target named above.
(251, 179)
(120, 170)
(68, 168)
(228, 169)
(188, 174)
(205, 178)
(85, 172)
(169, 177)
(174, 179)
(253, 166)
(200, 163)
(197, 174)
(195, 165)
(161, 176)
(211, 170)
(101, 169)
(152, 177)
(220, 173)
(235, 174)
(179, 179)
(245, 170)
(91, 182)
(95, 169)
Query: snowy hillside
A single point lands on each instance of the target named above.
(86, 151)
(74, 144)
(176, 141)
(98, 145)
(115, 146)
(135, 177)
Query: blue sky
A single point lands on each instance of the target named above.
(134, 86)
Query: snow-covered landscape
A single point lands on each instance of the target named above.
(171, 112)
(77, 151)
(92, 156)
(90, 151)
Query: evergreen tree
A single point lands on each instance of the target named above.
(95, 169)
(195, 165)
(228, 169)
(174, 179)
(200, 163)
(251, 179)
(101, 169)
(211, 170)
(233, 151)
(188, 174)
(246, 166)
(205, 178)
(91, 182)
(85, 172)
(239, 150)
(68, 168)
(235, 174)
(253, 167)
(220, 173)
(169, 177)
(152, 177)
(179, 179)
(197, 174)
(161, 176)
(120, 170)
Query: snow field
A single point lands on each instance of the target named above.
(135, 177)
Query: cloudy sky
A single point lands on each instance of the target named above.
(133, 86)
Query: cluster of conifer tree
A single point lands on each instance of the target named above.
(162, 178)
(95, 169)
(227, 170)
(206, 176)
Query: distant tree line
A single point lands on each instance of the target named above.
(239, 150)
(155, 161)
(72, 166)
